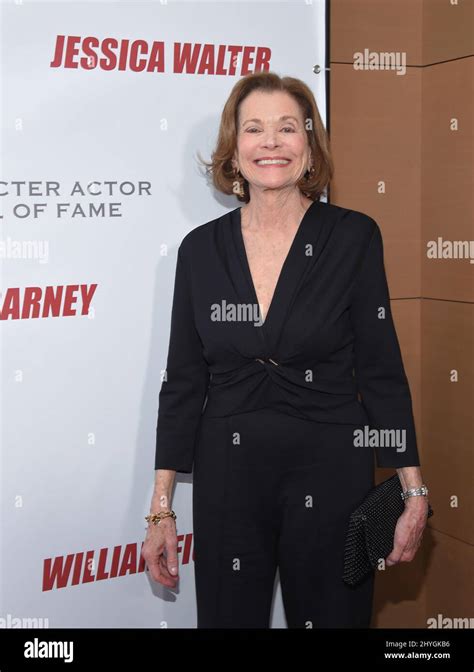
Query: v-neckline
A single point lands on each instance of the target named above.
(284, 267)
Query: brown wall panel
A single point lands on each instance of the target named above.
(378, 25)
(447, 30)
(447, 176)
(448, 345)
(428, 31)
(375, 137)
(448, 578)
(449, 471)
(395, 128)
(447, 412)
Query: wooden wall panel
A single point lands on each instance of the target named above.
(448, 578)
(447, 176)
(428, 31)
(378, 25)
(376, 138)
(447, 394)
(396, 129)
(447, 30)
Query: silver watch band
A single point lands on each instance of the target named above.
(415, 492)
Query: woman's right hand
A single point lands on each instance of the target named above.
(160, 552)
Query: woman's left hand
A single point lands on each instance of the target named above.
(409, 531)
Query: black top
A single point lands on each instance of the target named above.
(328, 337)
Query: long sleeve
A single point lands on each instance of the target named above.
(378, 364)
(184, 389)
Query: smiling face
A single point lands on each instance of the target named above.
(272, 146)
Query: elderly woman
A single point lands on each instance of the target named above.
(282, 351)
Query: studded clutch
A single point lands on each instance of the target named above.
(371, 529)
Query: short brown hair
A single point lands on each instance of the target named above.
(220, 167)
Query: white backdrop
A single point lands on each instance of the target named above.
(80, 381)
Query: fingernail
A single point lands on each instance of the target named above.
(174, 570)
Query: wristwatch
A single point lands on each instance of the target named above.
(415, 492)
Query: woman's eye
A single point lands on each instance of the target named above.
(286, 129)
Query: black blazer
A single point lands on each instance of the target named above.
(327, 350)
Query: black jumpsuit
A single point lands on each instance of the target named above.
(265, 414)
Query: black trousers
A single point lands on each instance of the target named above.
(272, 490)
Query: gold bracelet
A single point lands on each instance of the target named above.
(158, 517)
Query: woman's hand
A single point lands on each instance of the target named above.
(409, 531)
(160, 552)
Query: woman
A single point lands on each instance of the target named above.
(281, 318)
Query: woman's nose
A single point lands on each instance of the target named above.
(270, 139)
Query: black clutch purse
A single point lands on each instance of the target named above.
(371, 529)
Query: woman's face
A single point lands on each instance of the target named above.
(271, 127)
